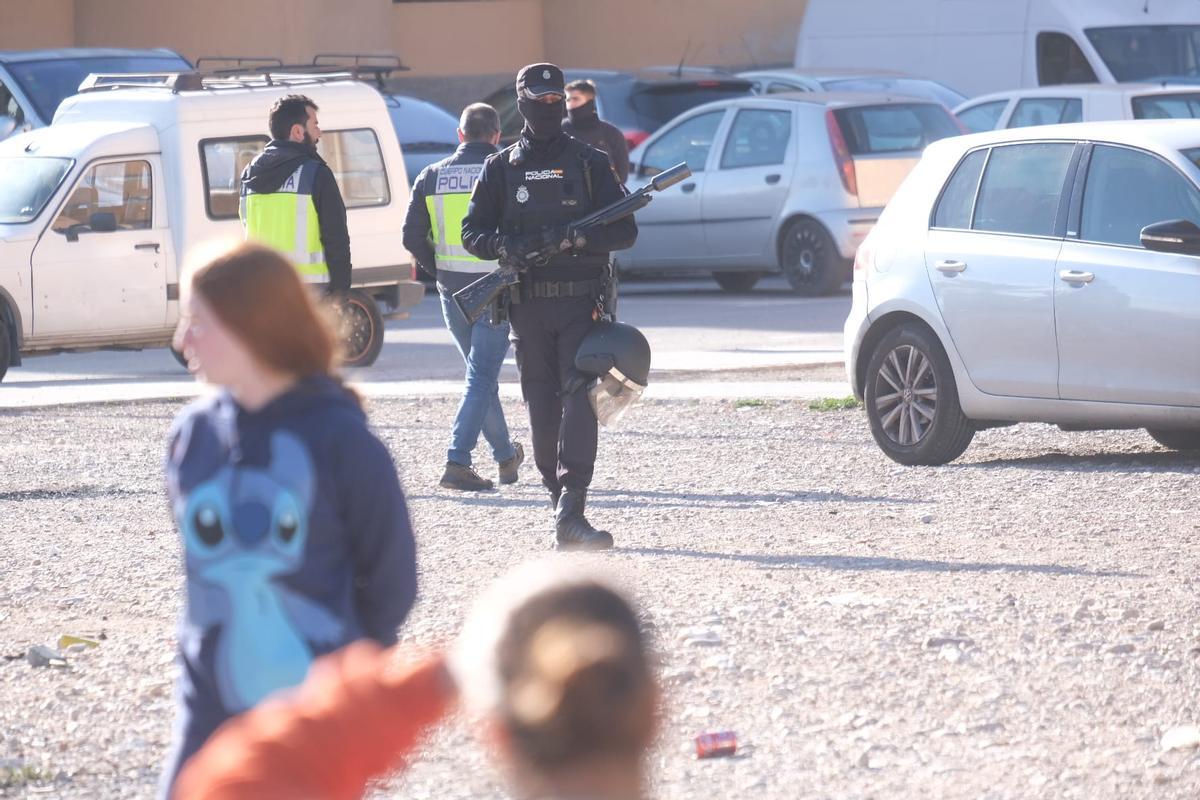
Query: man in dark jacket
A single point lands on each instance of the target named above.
(525, 202)
(584, 123)
(291, 201)
(433, 234)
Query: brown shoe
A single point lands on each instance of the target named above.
(464, 479)
(508, 468)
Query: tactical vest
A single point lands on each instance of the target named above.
(286, 219)
(546, 193)
(447, 194)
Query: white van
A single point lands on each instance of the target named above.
(99, 210)
(980, 46)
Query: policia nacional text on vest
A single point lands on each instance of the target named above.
(286, 219)
(447, 194)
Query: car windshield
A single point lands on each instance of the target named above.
(48, 83)
(914, 87)
(422, 126)
(27, 184)
(667, 101)
(1149, 52)
(894, 128)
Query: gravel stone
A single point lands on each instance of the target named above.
(1040, 542)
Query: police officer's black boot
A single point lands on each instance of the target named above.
(573, 529)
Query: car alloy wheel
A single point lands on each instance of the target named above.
(808, 258)
(906, 395)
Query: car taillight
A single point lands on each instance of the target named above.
(634, 137)
(841, 153)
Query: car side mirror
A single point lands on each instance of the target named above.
(1180, 236)
(103, 222)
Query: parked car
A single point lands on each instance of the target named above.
(427, 132)
(637, 103)
(34, 82)
(1089, 102)
(1044, 274)
(785, 183)
(777, 81)
(988, 46)
(99, 210)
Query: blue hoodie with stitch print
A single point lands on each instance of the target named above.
(297, 541)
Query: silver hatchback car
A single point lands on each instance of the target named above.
(789, 183)
(1045, 274)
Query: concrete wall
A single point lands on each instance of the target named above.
(29, 24)
(466, 38)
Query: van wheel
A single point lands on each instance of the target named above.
(809, 259)
(362, 329)
(6, 347)
(912, 400)
(1176, 440)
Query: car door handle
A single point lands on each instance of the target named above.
(1076, 276)
(688, 188)
(146, 246)
(772, 179)
(950, 266)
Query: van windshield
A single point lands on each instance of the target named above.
(48, 83)
(1149, 53)
(27, 184)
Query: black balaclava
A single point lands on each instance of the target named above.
(543, 121)
(584, 116)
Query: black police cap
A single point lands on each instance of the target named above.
(539, 80)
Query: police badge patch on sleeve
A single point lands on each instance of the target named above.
(522, 194)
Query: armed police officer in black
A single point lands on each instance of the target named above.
(524, 203)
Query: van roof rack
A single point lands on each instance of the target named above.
(367, 67)
(218, 80)
(236, 61)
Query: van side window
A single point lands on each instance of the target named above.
(958, 198)
(1059, 60)
(1046, 111)
(1021, 188)
(1127, 190)
(123, 189)
(357, 164)
(222, 162)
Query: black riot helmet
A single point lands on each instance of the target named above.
(619, 355)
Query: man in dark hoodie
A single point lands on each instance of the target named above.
(584, 123)
(288, 178)
(525, 202)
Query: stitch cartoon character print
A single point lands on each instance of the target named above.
(245, 528)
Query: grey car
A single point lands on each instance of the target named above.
(788, 183)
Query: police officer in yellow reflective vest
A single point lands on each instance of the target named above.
(290, 199)
(433, 234)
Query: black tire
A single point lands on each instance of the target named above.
(6, 347)
(912, 400)
(810, 260)
(736, 282)
(362, 329)
(1176, 440)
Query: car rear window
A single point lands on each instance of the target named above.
(958, 198)
(1185, 105)
(659, 103)
(895, 127)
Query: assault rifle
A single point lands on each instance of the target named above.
(473, 300)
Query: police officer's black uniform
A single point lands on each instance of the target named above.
(530, 193)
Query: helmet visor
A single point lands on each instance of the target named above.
(612, 396)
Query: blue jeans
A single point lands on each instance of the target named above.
(483, 347)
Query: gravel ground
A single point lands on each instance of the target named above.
(1021, 624)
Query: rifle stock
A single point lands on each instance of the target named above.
(473, 300)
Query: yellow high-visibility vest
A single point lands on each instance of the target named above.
(447, 206)
(286, 219)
